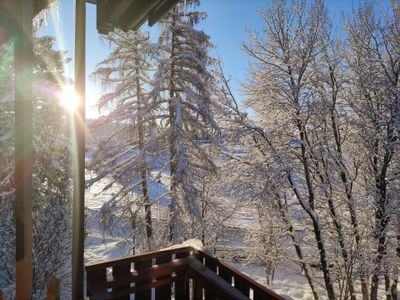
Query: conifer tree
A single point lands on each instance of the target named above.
(130, 153)
(182, 86)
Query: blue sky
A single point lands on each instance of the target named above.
(226, 24)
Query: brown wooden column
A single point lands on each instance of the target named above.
(79, 155)
(23, 57)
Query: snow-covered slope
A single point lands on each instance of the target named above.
(100, 245)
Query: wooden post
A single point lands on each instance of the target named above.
(79, 155)
(163, 292)
(145, 294)
(53, 289)
(182, 286)
(23, 60)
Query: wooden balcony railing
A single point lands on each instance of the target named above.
(182, 273)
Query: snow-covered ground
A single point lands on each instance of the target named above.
(100, 246)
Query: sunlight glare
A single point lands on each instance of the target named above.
(69, 99)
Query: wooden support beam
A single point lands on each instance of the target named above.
(129, 14)
(23, 60)
(211, 281)
(157, 13)
(78, 155)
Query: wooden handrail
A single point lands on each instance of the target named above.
(136, 258)
(226, 269)
(175, 266)
(220, 288)
(138, 274)
(194, 273)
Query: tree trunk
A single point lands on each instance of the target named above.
(296, 243)
(323, 260)
(172, 143)
(310, 210)
(143, 171)
(387, 288)
(203, 216)
(381, 219)
(147, 209)
(347, 184)
(338, 227)
(393, 290)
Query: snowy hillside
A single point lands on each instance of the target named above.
(100, 245)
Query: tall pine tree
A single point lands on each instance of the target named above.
(127, 153)
(182, 85)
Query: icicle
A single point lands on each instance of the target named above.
(42, 19)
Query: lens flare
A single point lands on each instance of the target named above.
(69, 99)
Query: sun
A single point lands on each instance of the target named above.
(69, 99)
